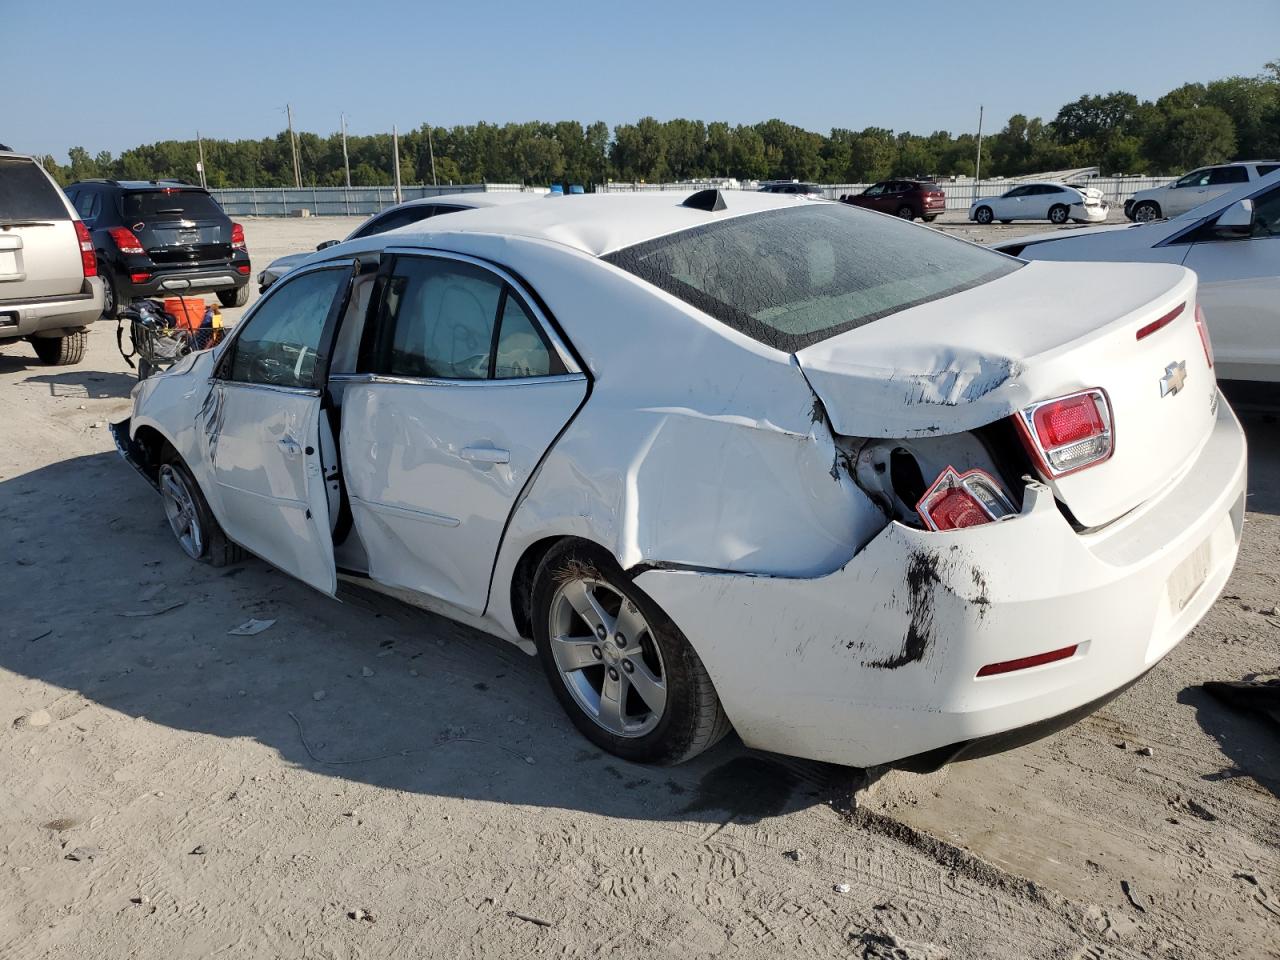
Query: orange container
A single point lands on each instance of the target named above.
(187, 312)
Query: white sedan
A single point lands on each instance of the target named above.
(844, 484)
(1232, 243)
(1055, 202)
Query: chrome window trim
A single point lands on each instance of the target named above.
(565, 355)
(271, 387)
(359, 378)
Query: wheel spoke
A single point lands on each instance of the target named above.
(612, 694)
(573, 653)
(581, 597)
(172, 488)
(630, 624)
(651, 690)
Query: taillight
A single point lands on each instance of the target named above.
(966, 499)
(88, 262)
(125, 241)
(237, 237)
(1069, 433)
(1203, 328)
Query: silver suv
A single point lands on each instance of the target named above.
(49, 287)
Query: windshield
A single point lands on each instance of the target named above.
(790, 278)
(171, 205)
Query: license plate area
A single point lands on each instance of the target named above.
(10, 269)
(1189, 576)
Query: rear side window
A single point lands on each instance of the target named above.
(394, 220)
(145, 206)
(790, 278)
(1225, 175)
(1266, 168)
(27, 194)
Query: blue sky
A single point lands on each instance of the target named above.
(110, 78)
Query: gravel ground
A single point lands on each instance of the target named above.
(363, 779)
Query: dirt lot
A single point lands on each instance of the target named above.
(363, 779)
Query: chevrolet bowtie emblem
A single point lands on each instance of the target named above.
(1174, 379)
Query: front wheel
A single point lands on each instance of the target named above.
(1146, 211)
(1058, 213)
(983, 215)
(191, 520)
(629, 680)
(234, 298)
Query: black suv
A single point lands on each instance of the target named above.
(155, 238)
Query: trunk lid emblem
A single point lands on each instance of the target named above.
(1175, 377)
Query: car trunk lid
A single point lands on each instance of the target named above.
(177, 226)
(1044, 331)
(39, 248)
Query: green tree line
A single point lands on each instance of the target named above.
(1197, 123)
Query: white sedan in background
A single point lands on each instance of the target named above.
(1055, 202)
(843, 483)
(1232, 243)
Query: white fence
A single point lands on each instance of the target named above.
(960, 193)
(336, 201)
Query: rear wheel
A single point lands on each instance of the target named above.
(61, 351)
(234, 298)
(983, 215)
(1146, 211)
(931, 219)
(191, 520)
(110, 299)
(1058, 213)
(906, 213)
(629, 680)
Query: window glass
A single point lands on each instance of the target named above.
(168, 203)
(874, 191)
(1197, 178)
(1266, 168)
(279, 345)
(1225, 175)
(395, 219)
(1266, 214)
(86, 205)
(1018, 192)
(521, 350)
(790, 278)
(27, 194)
(441, 314)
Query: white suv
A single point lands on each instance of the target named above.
(1193, 189)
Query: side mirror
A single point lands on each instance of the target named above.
(1235, 222)
(327, 243)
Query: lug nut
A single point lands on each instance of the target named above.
(595, 652)
(601, 632)
(628, 666)
(619, 639)
(613, 674)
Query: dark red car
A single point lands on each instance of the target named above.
(907, 199)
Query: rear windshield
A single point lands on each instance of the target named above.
(790, 278)
(27, 194)
(171, 205)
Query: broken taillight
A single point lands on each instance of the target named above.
(966, 499)
(1069, 433)
(1203, 329)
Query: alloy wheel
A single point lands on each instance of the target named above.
(180, 509)
(607, 657)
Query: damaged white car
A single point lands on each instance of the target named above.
(863, 492)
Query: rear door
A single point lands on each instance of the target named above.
(39, 249)
(261, 426)
(178, 225)
(1187, 192)
(463, 387)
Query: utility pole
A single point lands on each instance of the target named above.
(346, 163)
(977, 170)
(395, 160)
(200, 164)
(432, 151)
(293, 143)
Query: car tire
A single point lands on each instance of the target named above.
(1146, 211)
(198, 534)
(906, 213)
(984, 216)
(930, 219)
(585, 662)
(110, 294)
(61, 351)
(1059, 213)
(1006, 221)
(234, 298)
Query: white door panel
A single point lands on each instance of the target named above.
(433, 470)
(1240, 293)
(262, 448)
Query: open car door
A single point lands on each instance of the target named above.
(262, 420)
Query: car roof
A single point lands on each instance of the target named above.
(474, 198)
(598, 223)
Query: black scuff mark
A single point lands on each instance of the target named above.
(922, 580)
(982, 598)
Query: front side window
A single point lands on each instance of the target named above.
(1197, 178)
(790, 278)
(874, 191)
(279, 345)
(1018, 192)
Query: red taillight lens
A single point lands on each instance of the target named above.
(1022, 663)
(966, 499)
(1154, 325)
(237, 237)
(88, 262)
(139, 277)
(243, 268)
(1203, 328)
(1068, 434)
(125, 241)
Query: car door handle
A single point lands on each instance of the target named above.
(486, 455)
(291, 447)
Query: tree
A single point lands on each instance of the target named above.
(1192, 137)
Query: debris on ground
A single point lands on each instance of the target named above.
(199, 850)
(318, 695)
(251, 627)
(155, 611)
(364, 915)
(1131, 892)
(528, 919)
(842, 888)
(1145, 752)
(36, 718)
(796, 856)
(366, 672)
(83, 853)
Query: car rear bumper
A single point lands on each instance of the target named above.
(879, 660)
(170, 282)
(1090, 214)
(50, 315)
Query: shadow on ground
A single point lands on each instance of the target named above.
(1248, 739)
(76, 382)
(100, 601)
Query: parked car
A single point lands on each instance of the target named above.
(907, 199)
(159, 237)
(49, 287)
(792, 186)
(844, 483)
(401, 215)
(1055, 202)
(1195, 188)
(1233, 245)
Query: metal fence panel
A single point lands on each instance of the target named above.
(336, 201)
